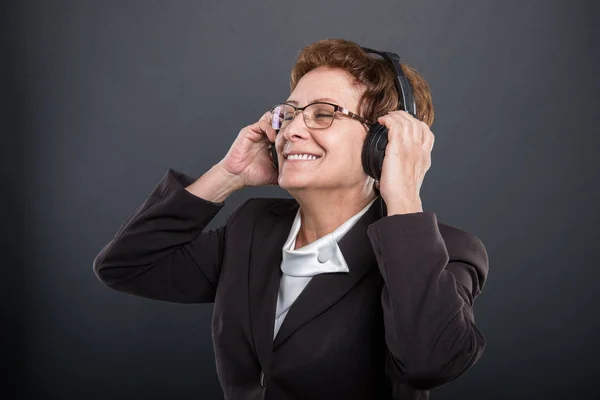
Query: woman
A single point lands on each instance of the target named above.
(319, 296)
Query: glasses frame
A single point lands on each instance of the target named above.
(336, 108)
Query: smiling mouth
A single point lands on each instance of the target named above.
(301, 158)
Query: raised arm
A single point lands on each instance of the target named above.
(430, 284)
(161, 252)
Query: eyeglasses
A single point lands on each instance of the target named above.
(317, 115)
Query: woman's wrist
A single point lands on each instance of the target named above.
(216, 184)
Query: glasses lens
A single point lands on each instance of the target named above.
(282, 114)
(319, 115)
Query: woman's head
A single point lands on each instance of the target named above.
(374, 77)
(346, 75)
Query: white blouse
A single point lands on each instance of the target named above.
(300, 265)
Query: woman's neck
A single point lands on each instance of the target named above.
(321, 215)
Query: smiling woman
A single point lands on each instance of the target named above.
(321, 296)
(337, 177)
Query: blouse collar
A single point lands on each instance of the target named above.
(322, 255)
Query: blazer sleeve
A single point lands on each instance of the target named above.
(430, 284)
(161, 251)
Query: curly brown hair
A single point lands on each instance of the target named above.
(375, 75)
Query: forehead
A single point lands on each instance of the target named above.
(326, 84)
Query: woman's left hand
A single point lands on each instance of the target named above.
(407, 159)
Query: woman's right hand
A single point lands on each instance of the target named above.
(249, 157)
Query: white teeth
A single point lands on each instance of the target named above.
(301, 157)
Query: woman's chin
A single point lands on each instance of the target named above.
(289, 182)
(290, 186)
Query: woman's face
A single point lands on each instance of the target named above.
(339, 147)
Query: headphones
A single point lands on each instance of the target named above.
(374, 145)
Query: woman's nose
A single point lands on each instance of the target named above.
(296, 128)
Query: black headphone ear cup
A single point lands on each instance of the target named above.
(373, 150)
(274, 153)
(365, 153)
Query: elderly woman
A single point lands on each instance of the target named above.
(320, 296)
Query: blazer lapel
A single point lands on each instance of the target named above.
(264, 273)
(324, 290)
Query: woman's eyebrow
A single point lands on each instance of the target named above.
(294, 102)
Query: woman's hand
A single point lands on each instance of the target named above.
(249, 157)
(407, 159)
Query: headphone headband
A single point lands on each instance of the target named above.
(402, 85)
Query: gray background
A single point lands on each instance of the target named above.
(100, 98)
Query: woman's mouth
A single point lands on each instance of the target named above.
(302, 157)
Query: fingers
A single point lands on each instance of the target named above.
(408, 129)
(263, 127)
(266, 116)
(400, 126)
(429, 140)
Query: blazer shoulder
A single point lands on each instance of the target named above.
(258, 207)
(458, 237)
(466, 247)
(461, 242)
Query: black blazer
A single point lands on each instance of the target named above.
(398, 324)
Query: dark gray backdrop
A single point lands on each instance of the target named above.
(100, 98)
